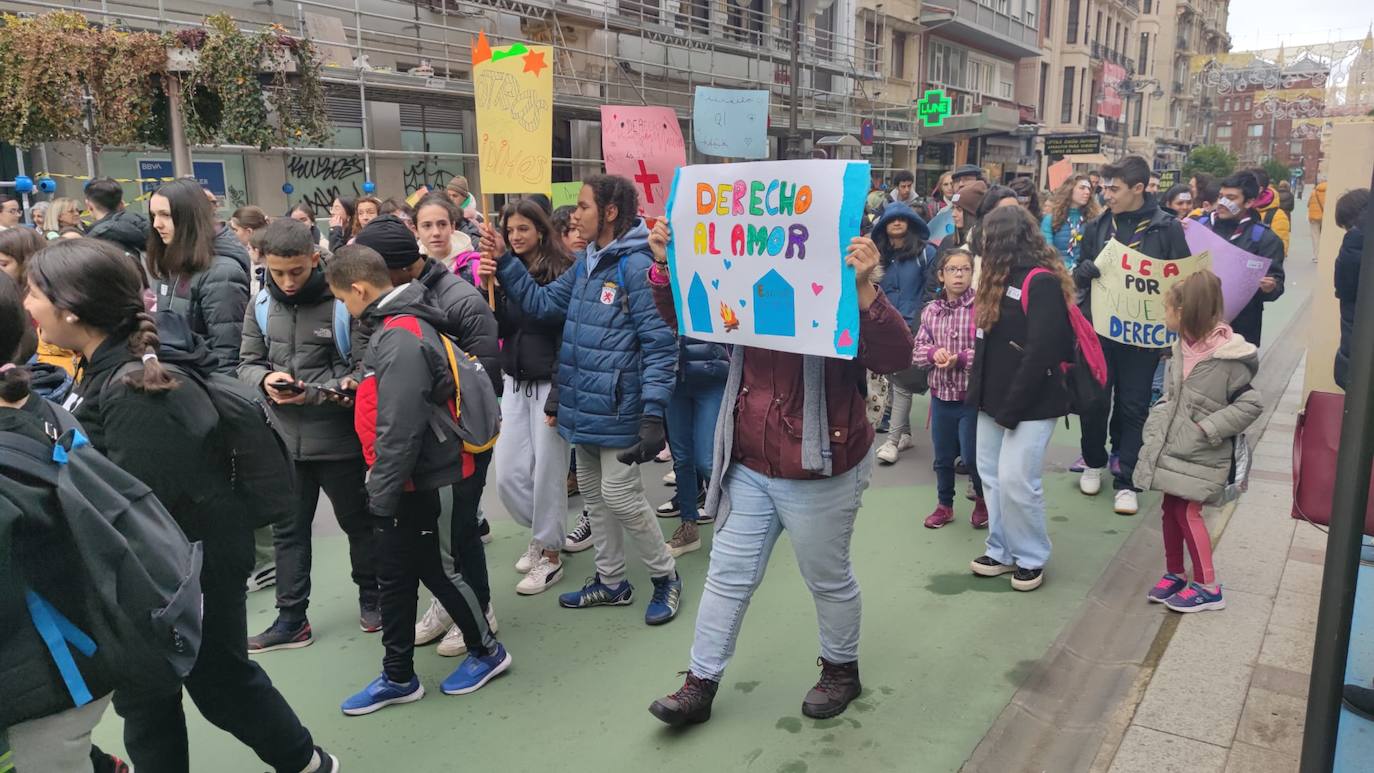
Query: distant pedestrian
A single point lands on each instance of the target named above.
(1185, 454)
(1316, 210)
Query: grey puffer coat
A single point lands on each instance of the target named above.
(299, 340)
(1186, 451)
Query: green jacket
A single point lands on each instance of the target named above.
(1185, 450)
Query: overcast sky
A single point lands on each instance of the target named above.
(1256, 24)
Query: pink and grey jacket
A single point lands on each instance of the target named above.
(947, 325)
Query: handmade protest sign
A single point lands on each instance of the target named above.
(732, 123)
(513, 91)
(1240, 272)
(757, 255)
(941, 225)
(1058, 172)
(643, 145)
(565, 194)
(1128, 299)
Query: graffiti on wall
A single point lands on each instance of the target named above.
(321, 179)
(424, 174)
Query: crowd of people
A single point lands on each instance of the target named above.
(391, 346)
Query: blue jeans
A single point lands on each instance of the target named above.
(1011, 462)
(953, 432)
(691, 419)
(819, 517)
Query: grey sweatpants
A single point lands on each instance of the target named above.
(60, 743)
(614, 495)
(531, 463)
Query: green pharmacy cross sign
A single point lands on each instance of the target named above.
(933, 108)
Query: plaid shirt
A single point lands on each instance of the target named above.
(947, 325)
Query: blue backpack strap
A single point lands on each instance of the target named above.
(260, 311)
(343, 327)
(58, 633)
(1256, 232)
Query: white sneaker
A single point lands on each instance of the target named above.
(905, 442)
(541, 577)
(264, 576)
(1090, 482)
(1126, 502)
(670, 479)
(433, 624)
(531, 557)
(887, 453)
(453, 644)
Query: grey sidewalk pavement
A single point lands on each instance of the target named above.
(1230, 688)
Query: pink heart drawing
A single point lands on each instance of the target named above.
(816, 289)
(845, 340)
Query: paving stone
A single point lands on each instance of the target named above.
(1308, 555)
(1213, 690)
(1281, 680)
(1289, 648)
(1238, 630)
(1305, 535)
(1273, 721)
(1074, 690)
(1149, 751)
(1302, 577)
(1023, 741)
(1255, 759)
(1294, 610)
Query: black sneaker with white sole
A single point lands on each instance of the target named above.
(281, 635)
(484, 531)
(669, 509)
(324, 762)
(986, 566)
(580, 538)
(1027, 579)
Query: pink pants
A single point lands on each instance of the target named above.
(1183, 523)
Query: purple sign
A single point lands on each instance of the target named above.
(1240, 272)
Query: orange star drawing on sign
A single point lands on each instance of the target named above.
(534, 62)
(481, 50)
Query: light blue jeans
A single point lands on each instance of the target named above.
(1011, 462)
(819, 517)
(691, 419)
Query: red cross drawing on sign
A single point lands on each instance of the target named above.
(647, 180)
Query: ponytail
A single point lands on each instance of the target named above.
(144, 344)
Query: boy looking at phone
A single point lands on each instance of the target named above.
(295, 350)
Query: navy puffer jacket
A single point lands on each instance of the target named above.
(618, 359)
(702, 363)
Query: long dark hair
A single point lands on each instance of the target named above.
(14, 327)
(20, 244)
(1011, 237)
(193, 243)
(92, 279)
(614, 190)
(350, 206)
(549, 260)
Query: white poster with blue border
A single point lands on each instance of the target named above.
(757, 255)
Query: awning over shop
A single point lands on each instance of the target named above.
(1087, 158)
(992, 119)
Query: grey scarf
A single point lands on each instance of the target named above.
(815, 423)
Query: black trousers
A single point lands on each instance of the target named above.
(1130, 377)
(407, 555)
(231, 691)
(343, 482)
(465, 557)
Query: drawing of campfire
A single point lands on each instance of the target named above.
(727, 315)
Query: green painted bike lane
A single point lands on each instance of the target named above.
(942, 652)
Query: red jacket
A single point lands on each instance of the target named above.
(768, 413)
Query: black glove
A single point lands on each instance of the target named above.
(650, 442)
(1085, 272)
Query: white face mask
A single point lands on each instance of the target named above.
(1229, 206)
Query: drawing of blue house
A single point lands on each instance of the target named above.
(699, 306)
(775, 306)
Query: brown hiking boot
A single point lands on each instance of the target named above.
(689, 705)
(686, 539)
(839, 684)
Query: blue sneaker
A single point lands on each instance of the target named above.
(383, 692)
(1167, 586)
(667, 595)
(1195, 598)
(476, 671)
(597, 594)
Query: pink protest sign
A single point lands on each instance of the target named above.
(1059, 171)
(1240, 272)
(643, 145)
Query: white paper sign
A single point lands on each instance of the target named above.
(757, 255)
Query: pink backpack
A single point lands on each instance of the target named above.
(1086, 375)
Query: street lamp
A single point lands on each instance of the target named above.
(1133, 87)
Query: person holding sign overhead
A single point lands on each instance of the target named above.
(1133, 218)
(1237, 220)
(616, 368)
(793, 452)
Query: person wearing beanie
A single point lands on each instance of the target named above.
(465, 317)
(458, 192)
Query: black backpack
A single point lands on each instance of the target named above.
(138, 575)
(258, 463)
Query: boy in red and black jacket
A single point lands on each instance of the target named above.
(418, 472)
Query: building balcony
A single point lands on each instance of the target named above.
(981, 27)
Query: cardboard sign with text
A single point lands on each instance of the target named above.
(513, 91)
(757, 256)
(643, 145)
(1240, 272)
(1128, 299)
(730, 123)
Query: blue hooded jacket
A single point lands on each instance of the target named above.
(904, 273)
(618, 359)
